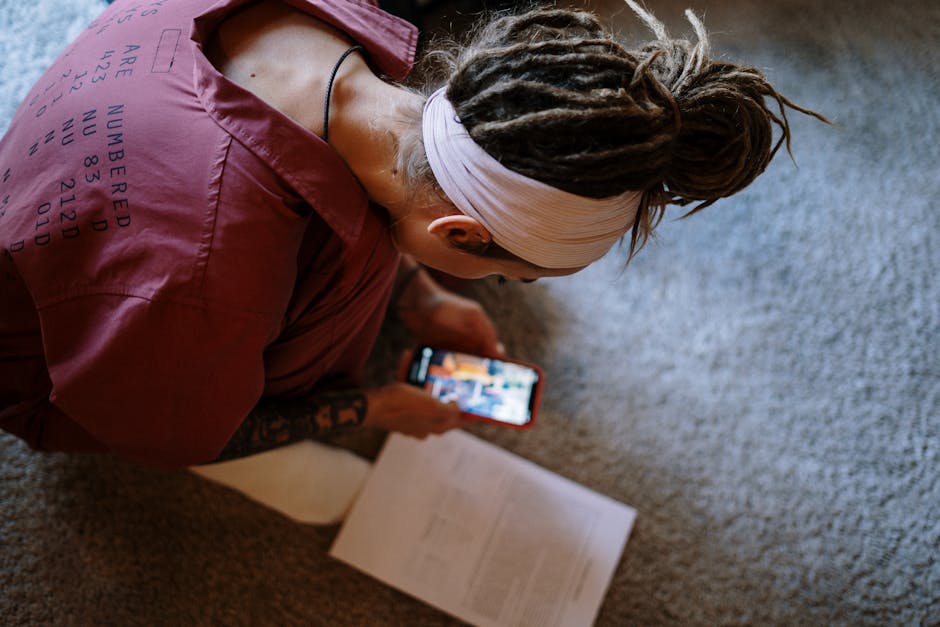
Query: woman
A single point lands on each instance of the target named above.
(207, 206)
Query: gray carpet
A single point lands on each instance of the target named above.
(762, 384)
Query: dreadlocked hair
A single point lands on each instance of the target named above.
(552, 95)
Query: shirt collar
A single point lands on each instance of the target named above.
(302, 158)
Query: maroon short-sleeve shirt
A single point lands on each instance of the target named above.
(173, 248)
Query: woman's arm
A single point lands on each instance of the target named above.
(395, 407)
(278, 422)
(438, 317)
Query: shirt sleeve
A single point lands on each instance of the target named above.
(163, 384)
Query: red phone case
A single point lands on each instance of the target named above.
(536, 392)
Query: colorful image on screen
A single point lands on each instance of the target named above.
(488, 387)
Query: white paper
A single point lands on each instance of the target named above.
(483, 534)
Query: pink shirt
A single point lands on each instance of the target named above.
(173, 247)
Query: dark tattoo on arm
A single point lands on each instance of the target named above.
(277, 422)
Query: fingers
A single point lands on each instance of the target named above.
(462, 324)
(489, 342)
(411, 410)
(434, 426)
(440, 418)
(482, 334)
(418, 414)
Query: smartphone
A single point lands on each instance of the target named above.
(496, 390)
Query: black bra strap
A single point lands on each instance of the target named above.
(329, 90)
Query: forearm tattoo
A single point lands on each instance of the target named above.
(277, 422)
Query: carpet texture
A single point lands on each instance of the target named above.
(762, 383)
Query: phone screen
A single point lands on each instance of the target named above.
(500, 390)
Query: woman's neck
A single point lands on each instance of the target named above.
(369, 119)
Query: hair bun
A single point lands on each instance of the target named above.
(726, 135)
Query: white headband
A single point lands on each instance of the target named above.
(542, 224)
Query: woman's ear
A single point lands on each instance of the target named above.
(460, 230)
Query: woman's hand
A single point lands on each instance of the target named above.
(410, 410)
(438, 317)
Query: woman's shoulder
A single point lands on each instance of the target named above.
(281, 54)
